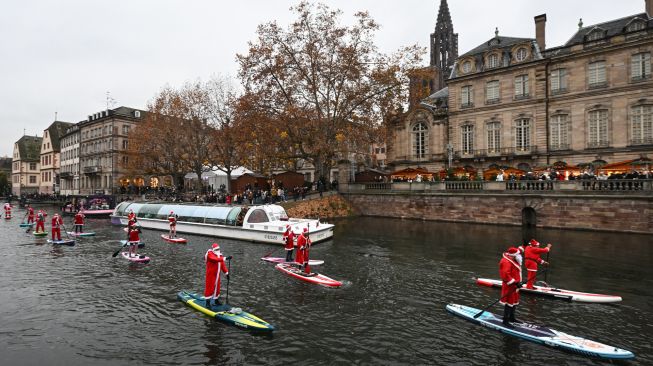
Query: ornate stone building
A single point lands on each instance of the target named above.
(514, 102)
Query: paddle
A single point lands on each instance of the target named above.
(118, 251)
(23, 220)
(65, 231)
(501, 298)
(229, 272)
(547, 263)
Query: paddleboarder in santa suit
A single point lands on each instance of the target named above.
(289, 239)
(56, 227)
(532, 260)
(8, 210)
(214, 265)
(510, 272)
(79, 222)
(172, 219)
(133, 239)
(304, 244)
(30, 214)
(40, 221)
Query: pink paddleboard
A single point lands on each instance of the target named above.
(139, 258)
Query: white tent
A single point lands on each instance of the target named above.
(216, 177)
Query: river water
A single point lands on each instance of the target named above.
(79, 306)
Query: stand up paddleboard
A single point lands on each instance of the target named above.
(174, 240)
(88, 233)
(26, 224)
(141, 244)
(311, 262)
(316, 278)
(226, 313)
(556, 293)
(539, 334)
(139, 258)
(68, 242)
(41, 233)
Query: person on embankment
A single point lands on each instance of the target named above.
(532, 260)
(510, 272)
(214, 265)
(289, 240)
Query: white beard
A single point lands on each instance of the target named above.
(518, 258)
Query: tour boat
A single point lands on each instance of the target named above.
(263, 223)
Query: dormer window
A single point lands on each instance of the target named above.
(467, 67)
(493, 61)
(521, 54)
(636, 25)
(595, 35)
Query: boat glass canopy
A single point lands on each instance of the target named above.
(221, 215)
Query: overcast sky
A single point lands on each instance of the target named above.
(63, 56)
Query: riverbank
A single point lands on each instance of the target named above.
(330, 206)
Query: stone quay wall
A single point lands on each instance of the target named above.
(570, 210)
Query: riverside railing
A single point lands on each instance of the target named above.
(633, 186)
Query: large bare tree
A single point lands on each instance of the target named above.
(324, 85)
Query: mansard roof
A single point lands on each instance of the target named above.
(611, 28)
(498, 42)
(56, 130)
(29, 148)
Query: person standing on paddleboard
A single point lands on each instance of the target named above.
(532, 260)
(214, 265)
(79, 222)
(30, 214)
(133, 239)
(304, 243)
(289, 239)
(56, 227)
(40, 221)
(172, 219)
(7, 210)
(510, 272)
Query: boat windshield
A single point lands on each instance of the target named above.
(217, 215)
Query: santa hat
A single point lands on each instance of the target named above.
(287, 227)
(512, 251)
(171, 212)
(534, 243)
(305, 230)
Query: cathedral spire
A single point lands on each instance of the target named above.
(444, 43)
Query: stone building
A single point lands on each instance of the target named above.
(26, 170)
(513, 102)
(69, 173)
(103, 150)
(50, 157)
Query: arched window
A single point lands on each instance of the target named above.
(467, 139)
(641, 125)
(493, 137)
(420, 138)
(493, 61)
(597, 128)
(523, 134)
(559, 134)
(521, 54)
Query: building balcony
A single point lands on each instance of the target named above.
(500, 152)
(92, 169)
(65, 175)
(598, 144)
(641, 141)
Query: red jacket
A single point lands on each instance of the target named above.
(214, 265)
(172, 220)
(133, 236)
(532, 257)
(40, 217)
(56, 221)
(303, 244)
(289, 238)
(79, 219)
(30, 212)
(510, 272)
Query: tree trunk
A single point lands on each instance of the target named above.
(229, 181)
(199, 185)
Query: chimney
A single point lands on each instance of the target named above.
(540, 29)
(649, 7)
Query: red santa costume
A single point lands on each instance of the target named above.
(40, 221)
(7, 210)
(214, 265)
(79, 222)
(30, 215)
(532, 259)
(510, 272)
(133, 239)
(56, 227)
(289, 240)
(304, 244)
(172, 220)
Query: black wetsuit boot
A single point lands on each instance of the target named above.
(512, 315)
(507, 310)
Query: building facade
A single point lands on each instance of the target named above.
(26, 170)
(50, 157)
(512, 102)
(104, 139)
(69, 173)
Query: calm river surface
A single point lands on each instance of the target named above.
(79, 306)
